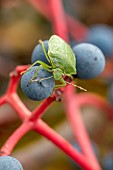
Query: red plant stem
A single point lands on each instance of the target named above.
(78, 127)
(58, 19)
(18, 105)
(74, 102)
(14, 79)
(94, 100)
(76, 29)
(2, 100)
(26, 115)
(49, 133)
(41, 7)
(15, 137)
(13, 83)
(42, 108)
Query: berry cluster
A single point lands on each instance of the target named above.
(38, 83)
(102, 36)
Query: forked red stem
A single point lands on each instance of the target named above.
(32, 120)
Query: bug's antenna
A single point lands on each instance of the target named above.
(81, 88)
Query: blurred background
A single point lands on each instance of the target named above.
(21, 26)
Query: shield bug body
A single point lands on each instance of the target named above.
(62, 61)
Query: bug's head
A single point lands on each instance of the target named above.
(57, 74)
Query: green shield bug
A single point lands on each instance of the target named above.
(62, 61)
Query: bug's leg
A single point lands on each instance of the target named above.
(41, 79)
(69, 75)
(44, 50)
(36, 62)
(43, 65)
(36, 73)
(60, 85)
(29, 67)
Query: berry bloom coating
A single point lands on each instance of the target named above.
(90, 61)
(38, 53)
(37, 89)
(101, 36)
(9, 163)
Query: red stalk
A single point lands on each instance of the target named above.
(42, 108)
(77, 30)
(94, 100)
(15, 137)
(79, 128)
(58, 140)
(14, 79)
(18, 106)
(58, 19)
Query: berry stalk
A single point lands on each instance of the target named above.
(59, 141)
(79, 130)
(42, 108)
(15, 137)
(58, 19)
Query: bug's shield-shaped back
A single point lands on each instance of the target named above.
(61, 55)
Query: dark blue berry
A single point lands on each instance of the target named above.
(37, 89)
(38, 53)
(102, 36)
(90, 61)
(9, 163)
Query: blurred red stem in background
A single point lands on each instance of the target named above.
(58, 19)
(76, 29)
(58, 140)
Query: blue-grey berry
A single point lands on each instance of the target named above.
(9, 163)
(102, 36)
(90, 61)
(37, 89)
(38, 53)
